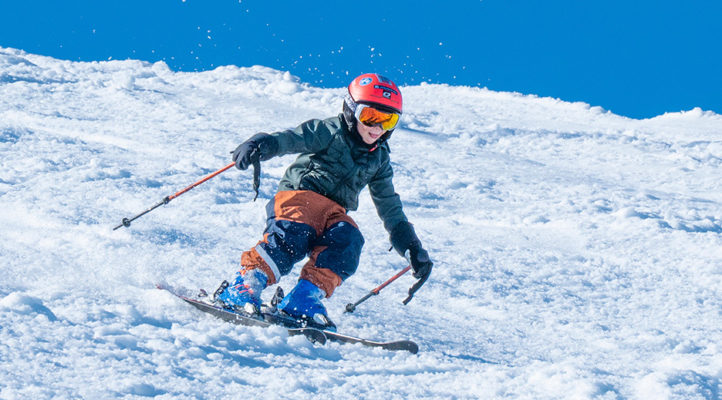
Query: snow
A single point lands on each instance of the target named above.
(578, 253)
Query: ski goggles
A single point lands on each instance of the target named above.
(370, 116)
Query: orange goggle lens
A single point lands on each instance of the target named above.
(370, 116)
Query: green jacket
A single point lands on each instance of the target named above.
(336, 163)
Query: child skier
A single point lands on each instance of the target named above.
(308, 216)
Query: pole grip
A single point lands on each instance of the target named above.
(256, 177)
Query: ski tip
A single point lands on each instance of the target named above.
(177, 291)
(406, 345)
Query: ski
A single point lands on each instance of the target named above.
(267, 319)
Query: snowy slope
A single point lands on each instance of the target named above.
(578, 253)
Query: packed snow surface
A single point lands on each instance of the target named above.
(578, 253)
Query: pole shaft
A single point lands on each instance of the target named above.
(213, 175)
(383, 285)
(126, 221)
(352, 306)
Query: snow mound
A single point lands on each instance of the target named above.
(577, 252)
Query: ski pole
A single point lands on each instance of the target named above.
(352, 306)
(126, 221)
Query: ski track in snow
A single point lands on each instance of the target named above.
(578, 253)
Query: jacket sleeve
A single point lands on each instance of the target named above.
(309, 137)
(387, 201)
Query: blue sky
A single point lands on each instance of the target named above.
(638, 58)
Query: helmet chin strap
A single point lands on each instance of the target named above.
(349, 109)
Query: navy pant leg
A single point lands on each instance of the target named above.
(343, 243)
(287, 243)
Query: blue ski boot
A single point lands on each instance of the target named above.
(304, 304)
(244, 294)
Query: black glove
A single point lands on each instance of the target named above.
(259, 147)
(420, 262)
(404, 239)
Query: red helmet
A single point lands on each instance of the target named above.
(376, 90)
